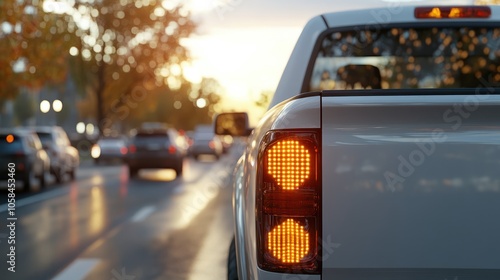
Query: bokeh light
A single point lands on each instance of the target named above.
(73, 51)
(57, 105)
(80, 127)
(90, 129)
(201, 103)
(45, 106)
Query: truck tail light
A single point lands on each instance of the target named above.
(288, 202)
(453, 12)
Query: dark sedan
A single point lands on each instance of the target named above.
(155, 148)
(23, 150)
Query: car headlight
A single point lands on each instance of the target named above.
(95, 152)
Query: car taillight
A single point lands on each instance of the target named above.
(132, 149)
(123, 150)
(172, 149)
(288, 202)
(452, 12)
(20, 154)
(9, 138)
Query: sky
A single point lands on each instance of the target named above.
(245, 44)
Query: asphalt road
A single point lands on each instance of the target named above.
(107, 226)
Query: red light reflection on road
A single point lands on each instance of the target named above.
(124, 182)
(73, 192)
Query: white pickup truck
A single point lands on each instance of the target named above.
(379, 157)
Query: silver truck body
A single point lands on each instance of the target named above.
(410, 181)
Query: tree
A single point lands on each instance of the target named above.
(24, 108)
(183, 107)
(264, 99)
(124, 56)
(34, 47)
(127, 50)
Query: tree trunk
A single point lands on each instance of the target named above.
(102, 122)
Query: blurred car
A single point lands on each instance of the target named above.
(183, 141)
(23, 149)
(155, 148)
(205, 143)
(64, 158)
(109, 148)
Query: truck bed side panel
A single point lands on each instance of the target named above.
(411, 183)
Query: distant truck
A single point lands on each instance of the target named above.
(205, 142)
(393, 172)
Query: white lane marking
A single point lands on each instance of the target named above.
(143, 213)
(77, 270)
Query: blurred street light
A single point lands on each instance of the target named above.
(80, 127)
(90, 129)
(45, 106)
(201, 103)
(57, 105)
(177, 104)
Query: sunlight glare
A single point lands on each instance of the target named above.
(200, 6)
(201, 103)
(169, 5)
(191, 73)
(50, 6)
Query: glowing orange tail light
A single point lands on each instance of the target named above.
(452, 12)
(288, 202)
(288, 242)
(288, 163)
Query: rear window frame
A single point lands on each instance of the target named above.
(48, 136)
(141, 135)
(18, 138)
(441, 23)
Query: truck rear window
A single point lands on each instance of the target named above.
(408, 58)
